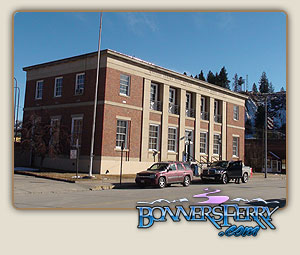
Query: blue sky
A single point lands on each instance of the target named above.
(246, 43)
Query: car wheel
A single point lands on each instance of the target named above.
(186, 181)
(224, 179)
(245, 178)
(162, 182)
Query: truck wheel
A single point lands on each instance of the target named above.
(186, 181)
(245, 178)
(162, 182)
(224, 179)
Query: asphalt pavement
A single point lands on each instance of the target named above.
(31, 192)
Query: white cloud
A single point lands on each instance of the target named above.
(138, 21)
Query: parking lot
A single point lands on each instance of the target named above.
(32, 192)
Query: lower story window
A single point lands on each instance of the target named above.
(172, 139)
(76, 131)
(153, 137)
(217, 144)
(235, 146)
(122, 133)
(203, 142)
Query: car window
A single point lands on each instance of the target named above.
(172, 167)
(180, 167)
(187, 166)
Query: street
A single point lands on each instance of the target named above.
(32, 192)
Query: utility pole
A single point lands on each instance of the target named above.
(95, 103)
(266, 135)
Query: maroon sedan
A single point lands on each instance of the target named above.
(164, 174)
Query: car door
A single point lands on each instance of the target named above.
(171, 175)
(234, 169)
(180, 172)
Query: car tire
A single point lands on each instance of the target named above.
(186, 181)
(224, 179)
(245, 178)
(162, 182)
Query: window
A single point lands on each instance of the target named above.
(172, 96)
(217, 144)
(172, 139)
(122, 133)
(76, 131)
(39, 89)
(124, 84)
(153, 137)
(203, 142)
(236, 112)
(180, 167)
(153, 92)
(188, 101)
(235, 146)
(204, 113)
(54, 130)
(58, 87)
(216, 107)
(79, 87)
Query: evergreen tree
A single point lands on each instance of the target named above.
(271, 88)
(184, 73)
(264, 83)
(201, 76)
(223, 78)
(282, 89)
(196, 76)
(217, 80)
(254, 88)
(241, 81)
(211, 78)
(235, 84)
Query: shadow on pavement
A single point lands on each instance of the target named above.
(270, 203)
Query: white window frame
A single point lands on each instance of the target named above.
(173, 139)
(188, 103)
(126, 85)
(203, 99)
(37, 89)
(217, 144)
(156, 92)
(126, 134)
(206, 135)
(216, 107)
(152, 137)
(55, 86)
(173, 92)
(73, 143)
(76, 84)
(236, 114)
(235, 154)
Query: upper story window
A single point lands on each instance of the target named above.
(39, 89)
(236, 112)
(155, 104)
(79, 86)
(173, 108)
(204, 112)
(58, 87)
(124, 84)
(217, 111)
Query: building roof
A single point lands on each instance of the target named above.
(142, 63)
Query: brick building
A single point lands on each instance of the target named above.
(146, 107)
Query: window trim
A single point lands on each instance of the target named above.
(126, 135)
(36, 89)
(206, 142)
(236, 112)
(172, 89)
(237, 146)
(203, 106)
(129, 83)
(219, 144)
(57, 78)
(189, 106)
(158, 137)
(176, 136)
(72, 130)
(156, 94)
(76, 84)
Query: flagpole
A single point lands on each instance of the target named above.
(266, 135)
(95, 102)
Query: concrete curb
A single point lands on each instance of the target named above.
(44, 177)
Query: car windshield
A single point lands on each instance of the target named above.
(158, 167)
(220, 164)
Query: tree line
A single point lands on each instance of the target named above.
(221, 79)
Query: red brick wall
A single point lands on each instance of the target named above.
(230, 120)
(173, 120)
(230, 133)
(155, 117)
